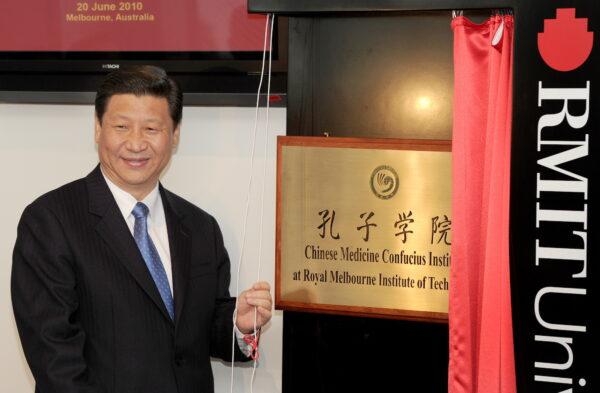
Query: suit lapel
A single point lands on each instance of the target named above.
(180, 248)
(113, 229)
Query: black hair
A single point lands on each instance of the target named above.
(140, 80)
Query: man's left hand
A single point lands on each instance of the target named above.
(257, 297)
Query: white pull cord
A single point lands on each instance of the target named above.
(270, 19)
(262, 194)
(498, 34)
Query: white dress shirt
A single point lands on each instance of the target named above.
(157, 229)
(157, 224)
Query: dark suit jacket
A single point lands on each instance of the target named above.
(88, 312)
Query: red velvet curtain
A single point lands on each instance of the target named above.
(480, 319)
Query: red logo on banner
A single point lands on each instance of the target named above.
(565, 43)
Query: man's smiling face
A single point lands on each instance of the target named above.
(136, 137)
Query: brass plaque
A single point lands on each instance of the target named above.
(364, 226)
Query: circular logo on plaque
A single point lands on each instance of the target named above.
(384, 182)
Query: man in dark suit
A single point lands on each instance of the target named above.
(119, 285)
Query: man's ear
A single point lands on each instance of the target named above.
(176, 133)
(97, 128)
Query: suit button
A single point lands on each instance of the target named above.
(179, 361)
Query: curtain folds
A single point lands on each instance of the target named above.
(480, 318)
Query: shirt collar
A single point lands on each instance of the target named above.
(126, 202)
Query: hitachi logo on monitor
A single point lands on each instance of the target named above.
(110, 66)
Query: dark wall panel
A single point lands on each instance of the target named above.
(381, 75)
(368, 75)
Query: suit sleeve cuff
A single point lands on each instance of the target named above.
(247, 343)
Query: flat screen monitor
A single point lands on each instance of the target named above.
(58, 50)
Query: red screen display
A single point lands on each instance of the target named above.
(121, 26)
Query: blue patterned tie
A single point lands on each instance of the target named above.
(150, 255)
